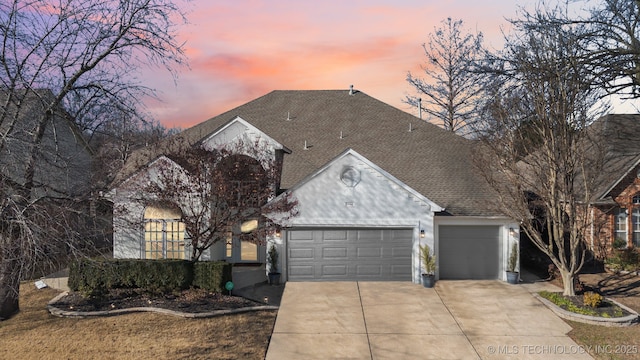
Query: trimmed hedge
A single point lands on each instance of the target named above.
(94, 277)
(211, 276)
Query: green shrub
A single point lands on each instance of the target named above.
(619, 243)
(211, 276)
(566, 304)
(617, 312)
(272, 258)
(163, 275)
(93, 277)
(592, 299)
(625, 259)
(90, 277)
(513, 258)
(630, 259)
(428, 260)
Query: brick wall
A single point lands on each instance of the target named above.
(604, 221)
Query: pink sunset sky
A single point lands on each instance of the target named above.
(240, 50)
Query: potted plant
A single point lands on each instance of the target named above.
(272, 257)
(512, 274)
(428, 265)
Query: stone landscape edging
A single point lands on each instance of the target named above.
(51, 306)
(628, 320)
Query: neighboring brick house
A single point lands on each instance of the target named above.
(615, 206)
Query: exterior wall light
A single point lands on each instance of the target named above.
(512, 232)
(422, 234)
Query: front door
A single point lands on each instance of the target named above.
(242, 244)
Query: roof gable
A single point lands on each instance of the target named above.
(148, 173)
(350, 182)
(352, 190)
(239, 130)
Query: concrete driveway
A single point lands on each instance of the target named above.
(401, 320)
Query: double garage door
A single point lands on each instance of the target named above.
(349, 254)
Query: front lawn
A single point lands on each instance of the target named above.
(35, 334)
(611, 342)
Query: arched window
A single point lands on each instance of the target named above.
(164, 233)
(243, 180)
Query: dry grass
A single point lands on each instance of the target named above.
(608, 342)
(611, 342)
(35, 334)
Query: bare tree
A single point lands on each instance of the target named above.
(214, 189)
(450, 88)
(540, 158)
(93, 47)
(115, 140)
(614, 45)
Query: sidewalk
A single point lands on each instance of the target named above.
(262, 292)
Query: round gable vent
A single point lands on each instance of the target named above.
(350, 176)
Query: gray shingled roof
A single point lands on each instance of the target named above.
(434, 162)
(620, 133)
(63, 157)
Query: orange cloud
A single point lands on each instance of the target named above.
(243, 49)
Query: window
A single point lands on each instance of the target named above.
(164, 233)
(620, 238)
(243, 180)
(636, 200)
(635, 223)
(229, 242)
(249, 248)
(245, 193)
(241, 242)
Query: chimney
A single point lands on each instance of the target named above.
(350, 89)
(420, 108)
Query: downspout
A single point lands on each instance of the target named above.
(591, 226)
(414, 277)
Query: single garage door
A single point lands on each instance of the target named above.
(349, 254)
(469, 252)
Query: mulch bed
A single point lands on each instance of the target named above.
(611, 310)
(606, 309)
(187, 301)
